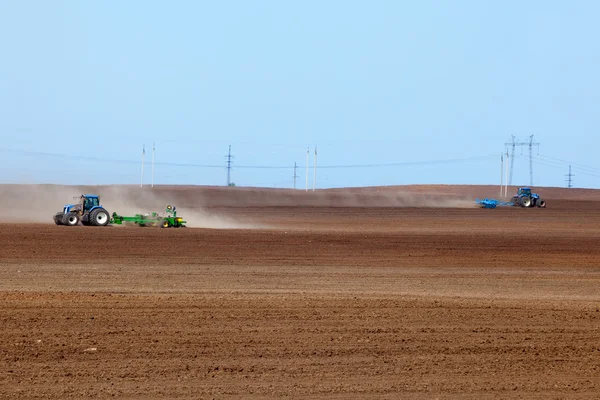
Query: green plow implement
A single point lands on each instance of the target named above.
(167, 220)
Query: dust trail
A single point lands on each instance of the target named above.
(33, 203)
(131, 201)
(202, 219)
(397, 199)
(402, 199)
(39, 203)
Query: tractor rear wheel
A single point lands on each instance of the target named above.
(70, 219)
(99, 217)
(166, 224)
(525, 202)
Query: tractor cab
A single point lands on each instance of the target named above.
(89, 201)
(524, 192)
(85, 204)
(171, 210)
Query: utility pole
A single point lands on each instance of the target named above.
(501, 173)
(153, 147)
(307, 151)
(229, 158)
(315, 170)
(143, 154)
(530, 160)
(569, 178)
(295, 174)
(506, 181)
(513, 144)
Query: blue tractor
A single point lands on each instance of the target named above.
(88, 211)
(525, 198)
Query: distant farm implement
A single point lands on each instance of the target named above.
(88, 211)
(524, 198)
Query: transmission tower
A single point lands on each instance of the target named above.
(513, 144)
(229, 158)
(569, 178)
(295, 174)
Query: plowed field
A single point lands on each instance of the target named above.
(311, 302)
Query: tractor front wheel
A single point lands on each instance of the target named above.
(70, 219)
(541, 203)
(58, 218)
(99, 217)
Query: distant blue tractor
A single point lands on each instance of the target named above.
(525, 198)
(88, 211)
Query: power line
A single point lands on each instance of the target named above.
(411, 163)
(553, 164)
(194, 165)
(561, 165)
(554, 159)
(104, 160)
(539, 159)
(544, 160)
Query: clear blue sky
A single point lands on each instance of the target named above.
(368, 82)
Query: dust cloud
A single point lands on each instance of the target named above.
(39, 203)
(368, 198)
(202, 207)
(392, 199)
(130, 201)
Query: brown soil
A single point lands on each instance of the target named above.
(336, 302)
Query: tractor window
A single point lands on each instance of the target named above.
(91, 202)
